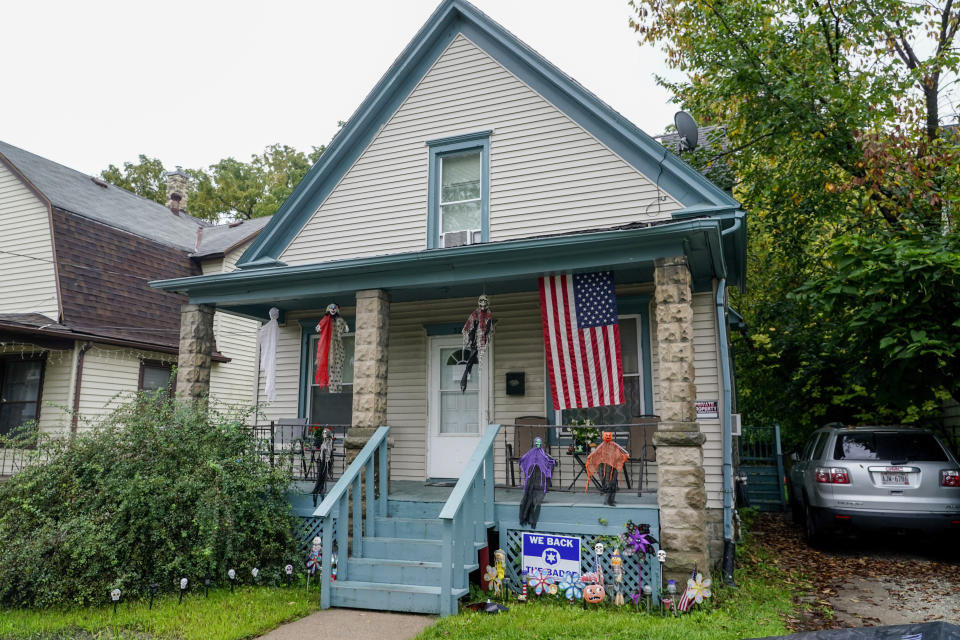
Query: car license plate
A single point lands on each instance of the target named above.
(887, 477)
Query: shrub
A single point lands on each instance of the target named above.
(158, 490)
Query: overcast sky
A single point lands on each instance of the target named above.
(92, 83)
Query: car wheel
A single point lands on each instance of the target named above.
(812, 528)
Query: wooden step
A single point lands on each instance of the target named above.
(401, 548)
(389, 596)
(419, 528)
(402, 571)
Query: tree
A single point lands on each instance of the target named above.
(833, 118)
(147, 178)
(228, 189)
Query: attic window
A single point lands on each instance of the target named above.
(458, 191)
(99, 182)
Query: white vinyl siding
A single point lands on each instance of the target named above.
(547, 174)
(232, 383)
(706, 367)
(110, 378)
(29, 281)
(57, 394)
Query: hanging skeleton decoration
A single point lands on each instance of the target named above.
(330, 350)
(477, 333)
(324, 464)
(536, 472)
(594, 592)
(268, 353)
(607, 459)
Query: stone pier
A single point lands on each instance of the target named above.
(196, 351)
(369, 369)
(681, 489)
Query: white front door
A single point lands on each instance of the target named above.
(455, 416)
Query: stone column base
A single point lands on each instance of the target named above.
(682, 498)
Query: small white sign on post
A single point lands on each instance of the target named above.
(556, 556)
(707, 409)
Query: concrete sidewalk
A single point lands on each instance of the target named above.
(350, 624)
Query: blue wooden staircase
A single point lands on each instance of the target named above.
(404, 556)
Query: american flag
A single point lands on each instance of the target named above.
(685, 601)
(582, 339)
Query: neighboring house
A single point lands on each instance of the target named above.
(477, 166)
(80, 329)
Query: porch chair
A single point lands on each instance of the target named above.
(525, 430)
(641, 447)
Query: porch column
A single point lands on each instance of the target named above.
(196, 349)
(681, 490)
(369, 369)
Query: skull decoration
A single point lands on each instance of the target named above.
(333, 308)
(598, 548)
(483, 302)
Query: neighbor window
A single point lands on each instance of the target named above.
(458, 193)
(20, 384)
(156, 375)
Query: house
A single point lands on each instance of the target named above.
(79, 326)
(475, 166)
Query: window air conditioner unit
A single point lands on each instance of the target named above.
(460, 238)
(735, 424)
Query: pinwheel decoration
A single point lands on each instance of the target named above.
(698, 589)
(490, 577)
(572, 588)
(638, 539)
(541, 584)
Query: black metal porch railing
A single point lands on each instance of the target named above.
(296, 445)
(563, 444)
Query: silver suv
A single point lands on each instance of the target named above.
(873, 478)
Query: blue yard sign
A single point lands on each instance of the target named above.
(557, 556)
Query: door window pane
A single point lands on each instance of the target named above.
(629, 351)
(19, 392)
(459, 410)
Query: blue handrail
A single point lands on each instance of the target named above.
(465, 516)
(336, 504)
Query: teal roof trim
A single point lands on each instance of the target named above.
(450, 18)
(481, 263)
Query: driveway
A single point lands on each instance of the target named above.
(868, 580)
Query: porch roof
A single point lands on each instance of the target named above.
(502, 267)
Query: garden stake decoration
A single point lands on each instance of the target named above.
(289, 571)
(206, 586)
(698, 589)
(572, 587)
(523, 588)
(500, 560)
(638, 541)
(255, 573)
(115, 596)
(183, 587)
(542, 584)
(594, 592)
(313, 559)
(153, 591)
(647, 595)
(669, 602)
(616, 562)
(490, 577)
(233, 576)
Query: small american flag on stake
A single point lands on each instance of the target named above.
(686, 599)
(582, 339)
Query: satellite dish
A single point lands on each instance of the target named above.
(687, 129)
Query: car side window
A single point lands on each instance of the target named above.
(821, 445)
(809, 448)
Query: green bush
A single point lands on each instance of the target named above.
(158, 490)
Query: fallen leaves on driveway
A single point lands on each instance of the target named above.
(867, 580)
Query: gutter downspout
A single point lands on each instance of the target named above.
(76, 387)
(726, 420)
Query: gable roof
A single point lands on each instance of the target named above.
(223, 238)
(697, 194)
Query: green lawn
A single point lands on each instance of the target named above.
(246, 613)
(751, 610)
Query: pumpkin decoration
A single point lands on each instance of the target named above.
(594, 593)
